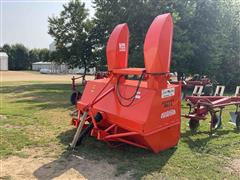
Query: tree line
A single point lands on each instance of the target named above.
(206, 34)
(21, 58)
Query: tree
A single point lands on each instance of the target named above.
(6, 48)
(33, 56)
(44, 54)
(19, 58)
(110, 13)
(71, 32)
(139, 15)
(204, 27)
(228, 46)
(36, 55)
(206, 33)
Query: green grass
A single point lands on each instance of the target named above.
(37, 115)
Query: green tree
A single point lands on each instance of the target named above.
(6, 48)
(206, 33)
(44, 54)
(33, 56)
(204, 27)
(228, 44)
(71, 32)
(110, 13)
(19, 58)
(139, 15)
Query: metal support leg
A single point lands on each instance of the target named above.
(216, 120)
(79, 129)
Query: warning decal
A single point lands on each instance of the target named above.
(168, 92)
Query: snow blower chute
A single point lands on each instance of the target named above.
(144, 112)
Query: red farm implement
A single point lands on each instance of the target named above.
(200, 106)
(77, 94)
(144, 112)
(196, 80)
(189, 83)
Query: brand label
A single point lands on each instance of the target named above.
(122, 47)
(168, 113)
(168, 92)
(167, 103)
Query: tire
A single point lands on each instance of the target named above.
(75, 97)
(193, 125)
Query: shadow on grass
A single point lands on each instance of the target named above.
(201, 144)
(41, 96)
(127, 159)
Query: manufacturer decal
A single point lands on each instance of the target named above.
(168, 92)
(168, 103)
(122, 47)
(168, 113)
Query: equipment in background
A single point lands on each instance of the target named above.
(76, 93)
(200, 106)
(142, 111)
(101, 74)
(197, 91)
(196, 80)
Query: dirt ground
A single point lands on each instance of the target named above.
(39, 165)
(69, 167)
(10, 76)
(234, 166)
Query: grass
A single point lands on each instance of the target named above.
(37, 115)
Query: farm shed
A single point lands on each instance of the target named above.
(50, 66)
(3, 61)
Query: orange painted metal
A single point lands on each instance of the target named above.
(158, 45)
(151, 118)
(117, 47)
(132, 71)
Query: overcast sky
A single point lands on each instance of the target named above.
(25, 21)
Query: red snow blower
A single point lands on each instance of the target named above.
(144, 112)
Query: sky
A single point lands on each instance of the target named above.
(26, 21)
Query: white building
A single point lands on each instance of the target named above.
(50, 67)
(53, 68)
(3, 61)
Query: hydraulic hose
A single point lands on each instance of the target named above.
(132, 98)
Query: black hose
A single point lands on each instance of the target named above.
(132, 98)
(128, 98)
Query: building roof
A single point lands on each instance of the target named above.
(46, 63)
(3, 54)
(42, 63)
